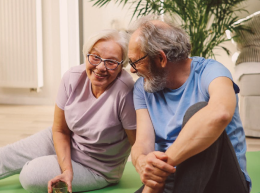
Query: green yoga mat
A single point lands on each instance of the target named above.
(253, 168)
(131, 181)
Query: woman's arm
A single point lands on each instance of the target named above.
(62, 145)
(131, 135)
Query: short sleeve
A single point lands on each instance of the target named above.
(127, 112)
(63, 92)
(212, 70)
(139, 97)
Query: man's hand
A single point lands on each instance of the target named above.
(153, 169)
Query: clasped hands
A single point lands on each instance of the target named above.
(154, 170)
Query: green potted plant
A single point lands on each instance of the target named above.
(204, 20)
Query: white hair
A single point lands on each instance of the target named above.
(120, 37)
(173, 40)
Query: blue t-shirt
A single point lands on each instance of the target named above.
(167, 107)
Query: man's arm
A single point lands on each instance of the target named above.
(204, 128)
(151, 165)
(145, 138)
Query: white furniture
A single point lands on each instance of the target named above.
(247, 74)
(250, 103)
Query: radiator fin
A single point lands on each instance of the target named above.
(20, 44)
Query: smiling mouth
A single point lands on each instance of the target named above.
(99, 75)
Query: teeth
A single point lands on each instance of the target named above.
(99, 74)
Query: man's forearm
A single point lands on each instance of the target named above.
(138, 152)
(198, 134)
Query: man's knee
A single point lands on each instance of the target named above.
(193, 109)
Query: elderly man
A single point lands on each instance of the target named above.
(187, 116)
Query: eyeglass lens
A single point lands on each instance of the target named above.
(133, 63)
(96, 60)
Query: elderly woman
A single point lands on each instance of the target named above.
(94, 125)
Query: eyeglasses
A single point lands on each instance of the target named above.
(133, 63)
(109, 64)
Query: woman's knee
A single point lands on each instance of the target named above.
(35, 174)
(8, 164)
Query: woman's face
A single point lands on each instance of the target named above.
(99, 76)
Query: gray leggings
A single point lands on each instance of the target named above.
(36, 161)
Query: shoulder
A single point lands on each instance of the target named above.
(139, 84)
(202, 65)
(215, 67)
(78, 69)
(75, 72)
(125, 81)
(210, 68)
(74, 75)
(139, 91)
(139, 81)
(202, 62)
(213, 62)
(210, 63)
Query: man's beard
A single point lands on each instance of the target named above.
(155, 79)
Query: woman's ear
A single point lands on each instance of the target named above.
(162, 58)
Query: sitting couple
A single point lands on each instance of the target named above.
(189, 135)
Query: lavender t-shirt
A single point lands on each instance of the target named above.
(99, 141)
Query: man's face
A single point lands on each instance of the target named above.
(157, 81)
(154, 76)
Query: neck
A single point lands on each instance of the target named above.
(97, 92)
(178, 73)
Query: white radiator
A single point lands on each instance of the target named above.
(21, 44)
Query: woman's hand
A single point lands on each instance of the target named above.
(66, 177)
(61, 139)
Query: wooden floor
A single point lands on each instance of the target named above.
(18, 122)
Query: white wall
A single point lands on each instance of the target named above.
(51, 62)
(60, 31)
(94, 19)
(110, 16)
(53, 50)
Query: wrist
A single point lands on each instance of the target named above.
(171, 158)
(148, 189)
(67, 170)
(139, 163)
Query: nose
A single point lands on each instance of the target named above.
(132, 70)
(101, 66)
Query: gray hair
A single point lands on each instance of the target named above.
(172, 40)
(119, 37)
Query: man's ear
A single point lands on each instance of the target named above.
(162, 58)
